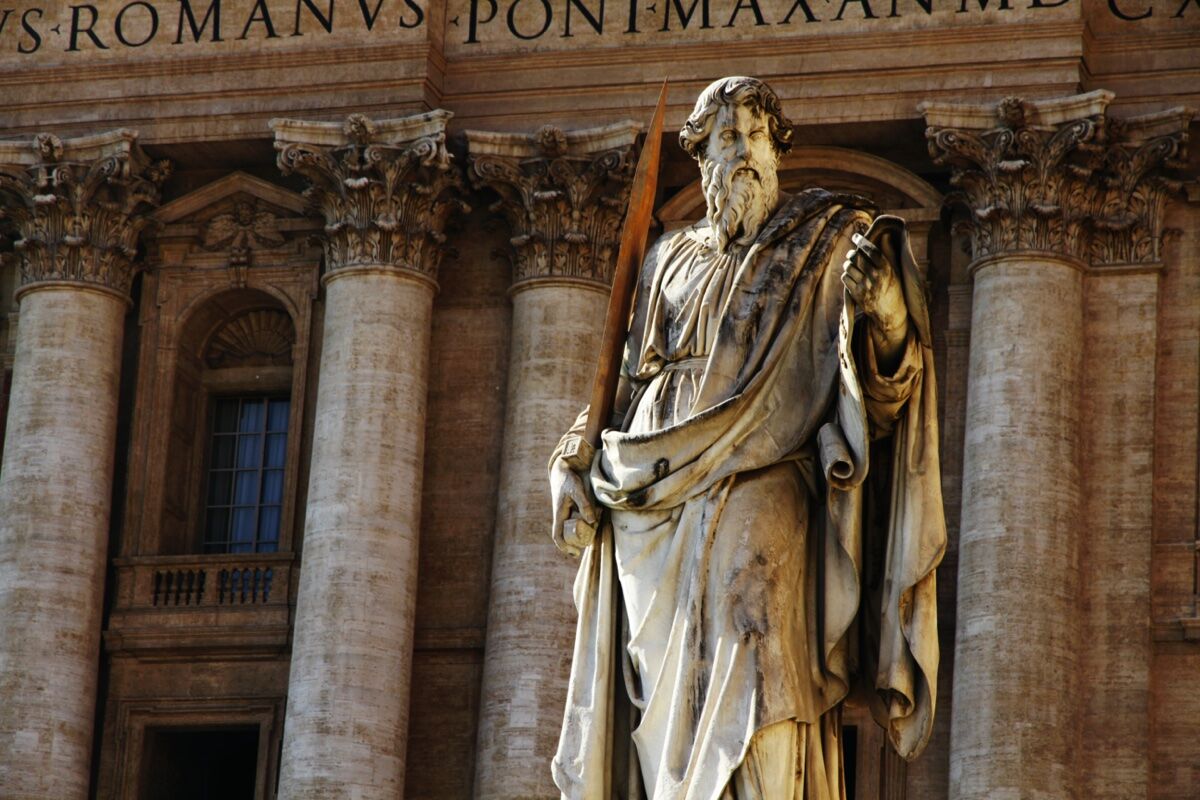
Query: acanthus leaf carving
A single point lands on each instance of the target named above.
(385, 201)
(1092, 188)
(78, 213)
(564, 209)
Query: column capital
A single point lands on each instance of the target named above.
(385, 187)
(78, 206)
(563, 193)
(1060, 176)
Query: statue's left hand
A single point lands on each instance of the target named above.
(870, 275)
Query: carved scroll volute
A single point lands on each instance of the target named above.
(563, 195)
(78, 206)
(385, 188)
(1060, 176)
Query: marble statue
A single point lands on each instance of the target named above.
(768, 493)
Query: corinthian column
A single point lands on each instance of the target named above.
(78, 206)
(1052, 200)
(385, 189)
(564, 195)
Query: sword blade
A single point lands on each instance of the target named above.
(629, 260)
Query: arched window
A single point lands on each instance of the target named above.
(230, 465)
(247, 438)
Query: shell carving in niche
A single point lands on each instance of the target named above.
(256, 338)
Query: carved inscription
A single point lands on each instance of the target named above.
(40, 27)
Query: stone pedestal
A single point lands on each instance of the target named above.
(1057, 191)
(78, 208)
(385, 189)
(563, 195)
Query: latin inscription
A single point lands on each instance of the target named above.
(103, 26)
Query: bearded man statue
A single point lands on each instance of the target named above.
(770, 512)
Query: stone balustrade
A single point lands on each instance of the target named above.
(202, 602)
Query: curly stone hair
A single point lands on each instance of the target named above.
(736, 90)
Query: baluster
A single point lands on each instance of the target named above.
(235, 584)
(245, 582)
(222, 585)
(257, 585)
(200, 586)
(169, 587)
(158, 577)
(191, 587)
(268, 574)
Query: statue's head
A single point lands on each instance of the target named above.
(738, 133)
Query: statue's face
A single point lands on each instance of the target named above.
(740, 138)
(738, 174)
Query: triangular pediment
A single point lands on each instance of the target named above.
(221, 195)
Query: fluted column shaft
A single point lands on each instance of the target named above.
(384, 190)
(57, 468)
(563, 194)
(1056, 190)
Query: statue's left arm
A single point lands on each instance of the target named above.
(893, 369)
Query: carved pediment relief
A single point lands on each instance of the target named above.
(245, 228)
(233, 222)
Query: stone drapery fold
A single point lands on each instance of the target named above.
(784, 366)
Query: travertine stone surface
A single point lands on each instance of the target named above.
(78, 206)
(347, 711)
(1054, 189)
(530, 613)
(55, 496)
(1017, 638)
(385, 189)
(563, 194)
(1121, 333)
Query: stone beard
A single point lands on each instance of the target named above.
(739, 196)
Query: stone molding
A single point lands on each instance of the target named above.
(1061, 176)
(384, 187)
(78, 206)
(564, 194)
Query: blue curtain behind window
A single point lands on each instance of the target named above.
(245, 481)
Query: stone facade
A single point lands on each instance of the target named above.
(402, 217)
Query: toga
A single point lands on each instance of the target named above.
(773, 520)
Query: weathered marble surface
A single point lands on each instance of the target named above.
(709, 600)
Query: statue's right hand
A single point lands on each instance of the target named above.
(567, 492)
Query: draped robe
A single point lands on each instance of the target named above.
(730, 587)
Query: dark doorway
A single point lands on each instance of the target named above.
(200, 764)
